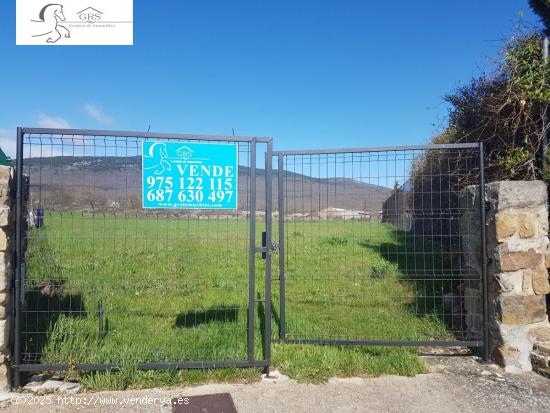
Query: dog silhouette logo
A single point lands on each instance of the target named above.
(48, 26)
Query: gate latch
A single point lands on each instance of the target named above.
(273, 247)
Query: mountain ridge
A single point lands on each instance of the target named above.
(112, 178)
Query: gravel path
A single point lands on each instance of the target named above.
(454, 384)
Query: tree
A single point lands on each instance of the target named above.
(542, 9)
(131, 200)
(52, 197)
(92, 198)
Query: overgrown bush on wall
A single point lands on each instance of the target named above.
(505, 110)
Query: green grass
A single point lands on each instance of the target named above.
(359, 280)
(177, 289)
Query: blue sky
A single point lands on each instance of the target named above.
(311, 74)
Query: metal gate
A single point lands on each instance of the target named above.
(377, 246)
(382, 246)
(97, 274)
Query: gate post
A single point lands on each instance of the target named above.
(6, 274)
(517, 278)
(482, 206)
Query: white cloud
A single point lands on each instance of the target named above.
(7, 142)
(97, 114)
(45, 121)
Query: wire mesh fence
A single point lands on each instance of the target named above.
(105, 282)
(375, 247)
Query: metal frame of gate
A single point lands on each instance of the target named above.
(253, 250)
(266, 249)
(481, 342)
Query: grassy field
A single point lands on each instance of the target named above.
(177, 289)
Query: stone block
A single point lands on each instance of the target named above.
(517, 260)
(4, 216)
(510, 282)
(4, 378)
(5, 261)
(4, 241)
(6, 174)
(517, 310)
(512, 338)
(5, 196)
(542, 348)
(527, 225)
(540, 333)
(528, 282)
(541, 220)
(541, 284)
(541, 363)
(5, 271)
(5, 280)
(515, 244)
(505, 225)
(516, 194)
(4, 333)
(510, 358)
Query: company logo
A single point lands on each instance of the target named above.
(90, 15)
(75, 22)
(184, 152)
(47, 26)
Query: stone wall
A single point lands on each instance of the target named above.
(517, 275)
(6, 271)
(397, 208)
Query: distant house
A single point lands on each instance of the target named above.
(184, 152)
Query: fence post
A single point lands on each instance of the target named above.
(252, 251)
(268, 229)
(482, 218)
(281, 204)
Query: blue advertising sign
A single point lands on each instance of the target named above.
(189, 175)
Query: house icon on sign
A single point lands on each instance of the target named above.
(89, 15)
(184, 152)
